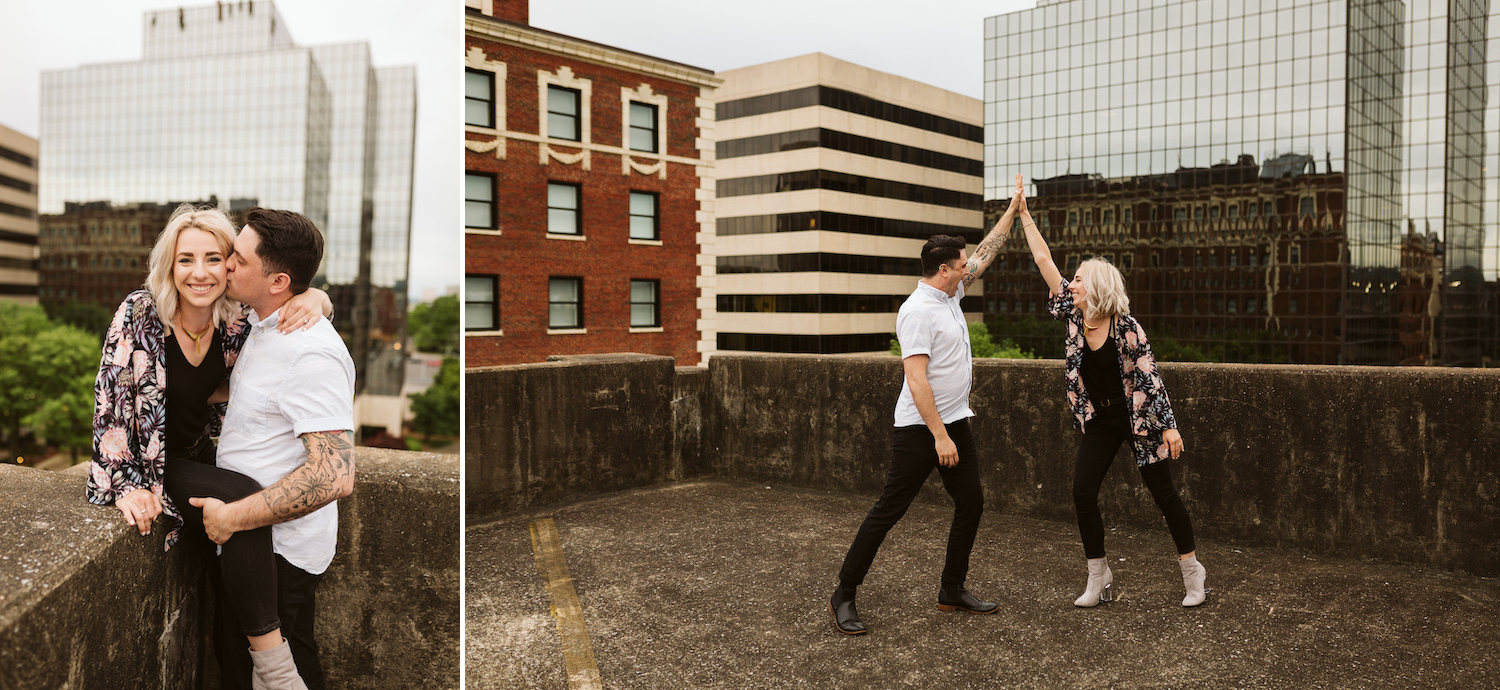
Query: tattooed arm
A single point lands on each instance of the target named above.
(327, 476)
(989, 247)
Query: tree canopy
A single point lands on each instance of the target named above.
(434, 326)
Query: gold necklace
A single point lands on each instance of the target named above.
(1087, 327)
(197, 346)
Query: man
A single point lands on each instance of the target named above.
(289, 427)
(932, 422)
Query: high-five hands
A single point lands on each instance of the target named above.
(1019, 199)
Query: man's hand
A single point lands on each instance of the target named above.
(216, 516)
(947, 452)
(1018, 201)
(139, 507)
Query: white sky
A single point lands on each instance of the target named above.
(37, 36)
(939, 42)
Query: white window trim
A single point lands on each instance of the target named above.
(648, 329)
(648, 243)
(483, 334)
(475, 59)
(567, 331)
(645, 95)
(563, 77)
(571, 238)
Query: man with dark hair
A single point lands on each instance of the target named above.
(932, 422)
(290, 427)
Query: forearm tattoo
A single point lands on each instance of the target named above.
(988, 249)
(327, 475)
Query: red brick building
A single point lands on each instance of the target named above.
(588, 195)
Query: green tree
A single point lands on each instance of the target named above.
(434, 326)
(981, 345)
(85, 316)
(46, 378)
(435, 410)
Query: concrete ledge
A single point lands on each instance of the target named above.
(86, 602)
(542, 433)
(1384, 462)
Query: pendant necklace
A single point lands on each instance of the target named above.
(197, 346)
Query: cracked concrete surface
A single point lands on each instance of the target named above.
(717, 584)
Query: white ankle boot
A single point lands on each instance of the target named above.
(275, 669)
(1193, 577)
(1101, 585)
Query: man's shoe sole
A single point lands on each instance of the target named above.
(841, 628)
(954, 607)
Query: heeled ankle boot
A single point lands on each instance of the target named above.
(1194, 576)
(275, 669)
(1101, 585)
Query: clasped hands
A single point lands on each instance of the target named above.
(141, 506)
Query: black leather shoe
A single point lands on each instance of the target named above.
(845, 617)
(964, 601)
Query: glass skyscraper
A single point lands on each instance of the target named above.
(224, 104)
(1290, 180)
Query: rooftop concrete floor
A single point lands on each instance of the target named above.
(713, 584)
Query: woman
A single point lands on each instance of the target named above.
(152, 447)
(1116, 395)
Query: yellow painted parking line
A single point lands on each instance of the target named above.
(578, 651)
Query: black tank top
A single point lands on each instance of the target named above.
(1101, 375)
(188, 388)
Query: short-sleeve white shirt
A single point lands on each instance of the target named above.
(283, 386)
(932, 323)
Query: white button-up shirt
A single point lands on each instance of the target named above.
(931, 323)
(283, 386)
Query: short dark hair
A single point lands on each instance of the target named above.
(939, 250)
(289, 243)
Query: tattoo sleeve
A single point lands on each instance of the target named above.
(988, 249)
(327, 476)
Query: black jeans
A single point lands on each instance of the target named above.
(1109, 428)
(296, 594)
(913, 456)
(245, 563)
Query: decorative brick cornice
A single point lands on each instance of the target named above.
(515, 34)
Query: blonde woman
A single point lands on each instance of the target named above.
(1116, 396)
(152, 446)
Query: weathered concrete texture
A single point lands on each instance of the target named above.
(700, 596)
(1395, 463)
(388, 614)
(87, 602)
(543, 433)
(691, 424)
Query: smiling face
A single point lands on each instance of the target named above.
(198, 269)
(1079, 288)
(949, 275)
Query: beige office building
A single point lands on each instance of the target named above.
(830, 178)
(18, 222)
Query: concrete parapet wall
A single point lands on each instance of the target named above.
(574, 426)
(1391, 463)
(86, 602)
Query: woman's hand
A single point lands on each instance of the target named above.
(304, 310)
(1174, 442)
(139, 507)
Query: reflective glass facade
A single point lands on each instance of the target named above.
(224, 105)
(1290, 180)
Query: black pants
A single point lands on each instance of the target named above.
(245, 564)
(1105, 432)
(296, 593)
(913, 456)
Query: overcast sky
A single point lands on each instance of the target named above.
(36, 36)
(940, 42)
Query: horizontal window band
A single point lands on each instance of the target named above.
(852, 184)
(850, 102)
(806, 344)
(829, 221)
(819, 262)
(849, 143)
(18, 237)
(824, 304)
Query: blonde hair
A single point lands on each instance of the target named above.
(1104, 288)
(159, 280)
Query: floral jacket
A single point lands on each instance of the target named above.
(130, 405)
(1150, 409)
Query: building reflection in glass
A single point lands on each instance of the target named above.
(1279, 181)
